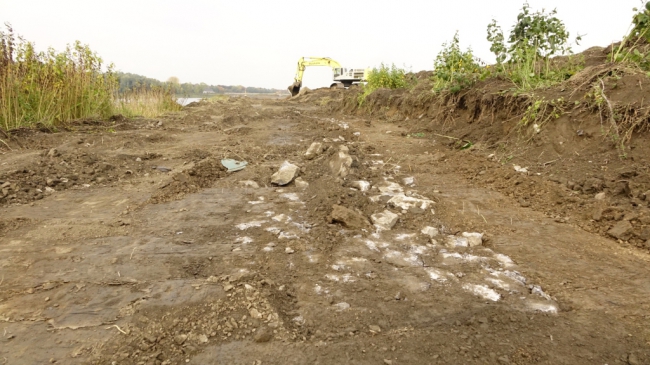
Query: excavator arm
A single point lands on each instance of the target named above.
(310, 61)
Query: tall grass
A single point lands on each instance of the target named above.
(146, 102)
(46, 88)
(50, 87)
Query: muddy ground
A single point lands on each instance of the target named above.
(127, 242)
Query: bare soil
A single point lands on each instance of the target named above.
(127, 241)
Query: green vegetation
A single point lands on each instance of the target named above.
(384, 77)
(525, 58)
(47, 88)
(634, 47)
(50, 87)
(454, 69)
(146, 102)
(129, 81)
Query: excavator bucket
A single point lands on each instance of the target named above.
(294, 88)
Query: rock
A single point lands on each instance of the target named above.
(53, 152)
(255, 313)
(348, 217)
(646, 195)
(597, 215)
(138, 159)
(388, 362)
(430, 231)
(342, 306)
(341, 162)
(49, 190)
(406, 202)
(601, 196)
(285, 174)
(314, 150)
(289, 250)
(645, 234)
(385, 220)
(360, 185)
(300, 183)
(263, 335)
(453, 241)
(632, 359)
(374, 328)
(592, 185)
(249, 184)
(180, 339)
(524, 203)
(304, 91)
(203, 339)
(621, 230)
(438, 156)
(474, 239)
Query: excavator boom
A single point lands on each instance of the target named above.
(303, 62)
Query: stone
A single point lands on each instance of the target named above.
(314, 150)
(621, 230)
(285, 174)
(180, 339)
(385, 220)
(645, 234)
(203, 339)
(360, 185)
(348, 217)
(632, 359)
(263, 335)
(289, 250)
(593, 185)
(601, 196)
(453, 241)
(524, 203)
(430, 231)
(249, 184)
(53, 153)
(300, 183)
(407, 202)
(374, 328)
(341, 162)
(473, 239)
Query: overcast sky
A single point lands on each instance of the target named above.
(257, 43)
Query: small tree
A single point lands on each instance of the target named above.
(454, 69)
(533, 40)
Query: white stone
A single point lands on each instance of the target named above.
(473, 239)
(430, 231)
(250, 184)
(300, 183)
(314, 150)
(385, 220)
(360, 185)
(406, 202)
(285, 174)
(341, 162)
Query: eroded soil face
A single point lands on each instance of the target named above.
(130, 243)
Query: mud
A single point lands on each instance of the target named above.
(166, 258)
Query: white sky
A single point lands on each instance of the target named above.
(257, 43)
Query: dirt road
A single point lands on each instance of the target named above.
(128, 243)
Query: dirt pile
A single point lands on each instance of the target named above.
(584, 143)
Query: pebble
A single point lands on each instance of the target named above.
(289, 250)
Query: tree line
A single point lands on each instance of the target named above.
(129, 81)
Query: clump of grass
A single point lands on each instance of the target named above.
(389, 77)
(146, 102)
(49, 87)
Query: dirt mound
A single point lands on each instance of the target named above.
(583, 143)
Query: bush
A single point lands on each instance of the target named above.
(533, 40)
(146, 102)
(634, 47)
(454, 69)
(384, 77)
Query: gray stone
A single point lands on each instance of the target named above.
(263, 335)
(430, 231)
(341, 162)
(285, 174)
(621, 230)
(314, 150)
(348, 217)
(385, 220)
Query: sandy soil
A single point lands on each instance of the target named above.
(127, 242)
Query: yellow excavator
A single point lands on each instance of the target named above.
(342, 77)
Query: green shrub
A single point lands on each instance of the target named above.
(454, 69)
(634, 47)
(384, 77)
(533, 40)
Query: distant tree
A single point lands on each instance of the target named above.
(174, 80)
